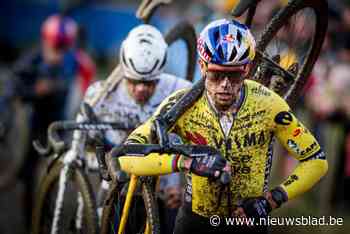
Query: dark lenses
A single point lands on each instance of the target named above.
(144, 82)
(234, 76)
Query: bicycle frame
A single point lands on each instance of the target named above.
(125, 213)
(144, 149)
(69, 161)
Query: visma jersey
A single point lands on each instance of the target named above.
(262, 116)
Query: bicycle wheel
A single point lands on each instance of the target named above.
(295, 35)
(143, 207)
(13, 128)
(78, 212)
(185, 31)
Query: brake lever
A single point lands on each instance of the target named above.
(42, 150)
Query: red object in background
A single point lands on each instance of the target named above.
(309, 84)
(87, 70)
(59, 32)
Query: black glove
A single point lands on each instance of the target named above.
(207, 166)
(257, 207)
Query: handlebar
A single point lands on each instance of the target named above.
(148, 7)
(192, 151)
(57, 145)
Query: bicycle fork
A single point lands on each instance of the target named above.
(125, 213)
(60, 198)
(127, 204)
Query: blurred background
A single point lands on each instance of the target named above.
(324, 107)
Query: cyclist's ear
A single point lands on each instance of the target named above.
(202, 65)
(247, 68)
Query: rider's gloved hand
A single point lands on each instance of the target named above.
(255, 207)
(208, 166)
(258, 207)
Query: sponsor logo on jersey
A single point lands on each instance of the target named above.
(295, 147)
(297, 132)
(250, 139)
(284, 118)
(261, 91)
(291, 180)
(196, 138)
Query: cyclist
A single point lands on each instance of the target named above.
(143, 86)
(44, 78)
(241, 118)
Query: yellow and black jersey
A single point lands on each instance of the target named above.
(262, 117)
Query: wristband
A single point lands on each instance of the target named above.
(279, 196)
(178, 163)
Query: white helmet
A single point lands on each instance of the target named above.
(143, 53)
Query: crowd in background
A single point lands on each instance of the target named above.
(325, 104)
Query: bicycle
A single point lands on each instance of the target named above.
(277, 39)
(118, 203)
(48, 213)
(265, 66)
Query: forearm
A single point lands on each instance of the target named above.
(152, 164)
(304, 177)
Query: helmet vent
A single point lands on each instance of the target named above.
(233, 54)
(221, 52)
(245, 55)
(239, 37)
(146, 72)
(145, 41)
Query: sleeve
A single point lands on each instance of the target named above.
(303, 146)
(154, 163)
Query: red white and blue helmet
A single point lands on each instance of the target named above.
(59, 31)
(226, 43)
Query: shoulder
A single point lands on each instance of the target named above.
(173, 82)
(261, 94)
(167, 85)
(93, 89)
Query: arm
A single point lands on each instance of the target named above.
(303, 146)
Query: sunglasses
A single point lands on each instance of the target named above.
(218, 76)
(144, 82)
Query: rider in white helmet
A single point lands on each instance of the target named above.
(134, 93)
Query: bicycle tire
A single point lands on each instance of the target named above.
(14, 154)
(277, 22)
(84, 187)
(113, 198)
(185, 31)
